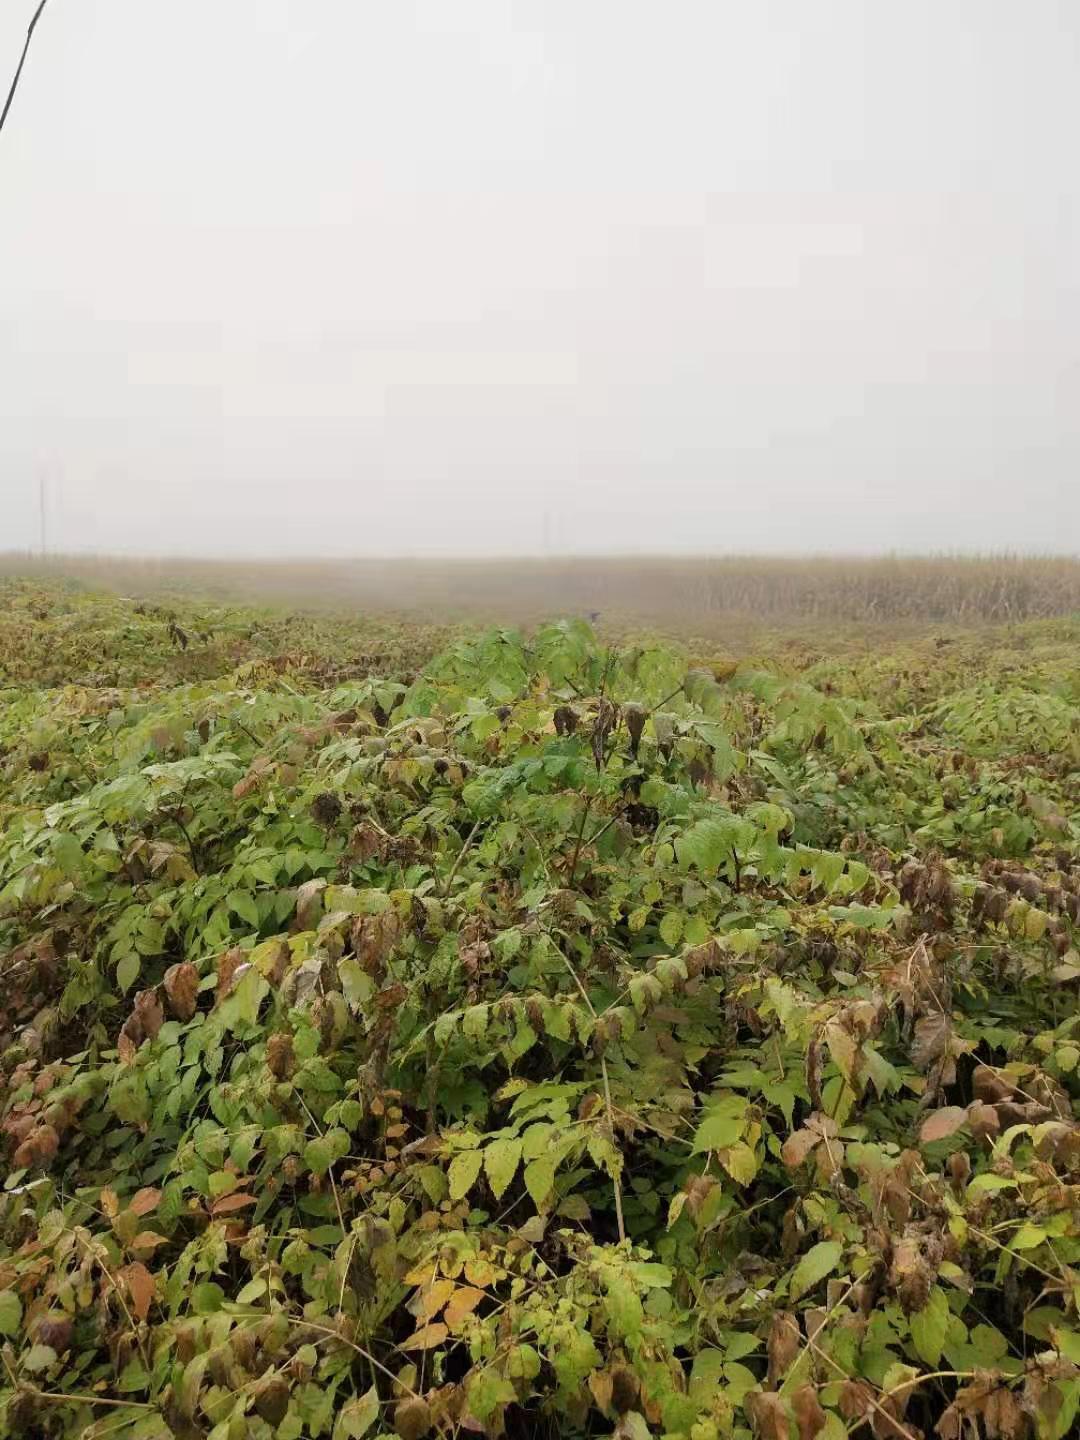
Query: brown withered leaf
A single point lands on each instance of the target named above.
(390, 998)
(797, 1147)
(55, 1330)
(856, 1399)
(227, 966)
(149, 1013)
(412, 1418)
(785, 1341)
(989, 1086)
(280, 1058)
(1004, 1418)
(625, 1388)
(813, 1071)
(809, 1416)
(129, 1040)
(181, 984)
(985, 1121)
(38, 1148)
(768, 1414)
(146, 1242)
(140, 1286)
(932, 1035)
(307, 903)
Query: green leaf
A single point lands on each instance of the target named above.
(242, 903)
(929, 1327)
(487, 1389)
(208, 1298)
(723, 1125)
(623, 1304)
(539, 1177)
(10, 1312)
(357, 1416)
(814, 1266)
(500, 1163)
(464, 1169)
(320, 1154)
(127, 971)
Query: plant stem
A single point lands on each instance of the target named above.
(577, 844)
(445, 890)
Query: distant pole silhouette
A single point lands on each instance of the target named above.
(41, 516)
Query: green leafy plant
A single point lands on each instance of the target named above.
(539, 1035)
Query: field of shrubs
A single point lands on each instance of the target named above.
(407, 1031)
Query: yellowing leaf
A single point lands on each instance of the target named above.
(464, 1169)
(463, 1302)
(540, 1178)
(434, 1297)
(740, 1161)
(426, 1338)
(500, 1163)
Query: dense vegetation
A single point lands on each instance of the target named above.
(536, 1036)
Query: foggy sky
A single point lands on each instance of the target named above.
(345, 277)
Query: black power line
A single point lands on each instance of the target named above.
(22, 62)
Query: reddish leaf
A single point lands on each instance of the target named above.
(797, 1147)
(140, 1285)
(230, 1203)
(148, 1240)
(940, 1124)
(145, 1200)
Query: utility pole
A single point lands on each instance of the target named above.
(41, 516)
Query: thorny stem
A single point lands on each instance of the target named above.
(58, 1397)
(893, 1422)
(661, 703)
(616, 1182)
(445, 890)
(577, 843)
(333, 1334)
(123, 1303)
(605, 827)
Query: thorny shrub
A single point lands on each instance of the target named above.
(562, 1040)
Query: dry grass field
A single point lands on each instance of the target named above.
(733, 594)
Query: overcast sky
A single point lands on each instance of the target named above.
(346, 277)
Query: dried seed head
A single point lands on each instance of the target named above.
(326, 808)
